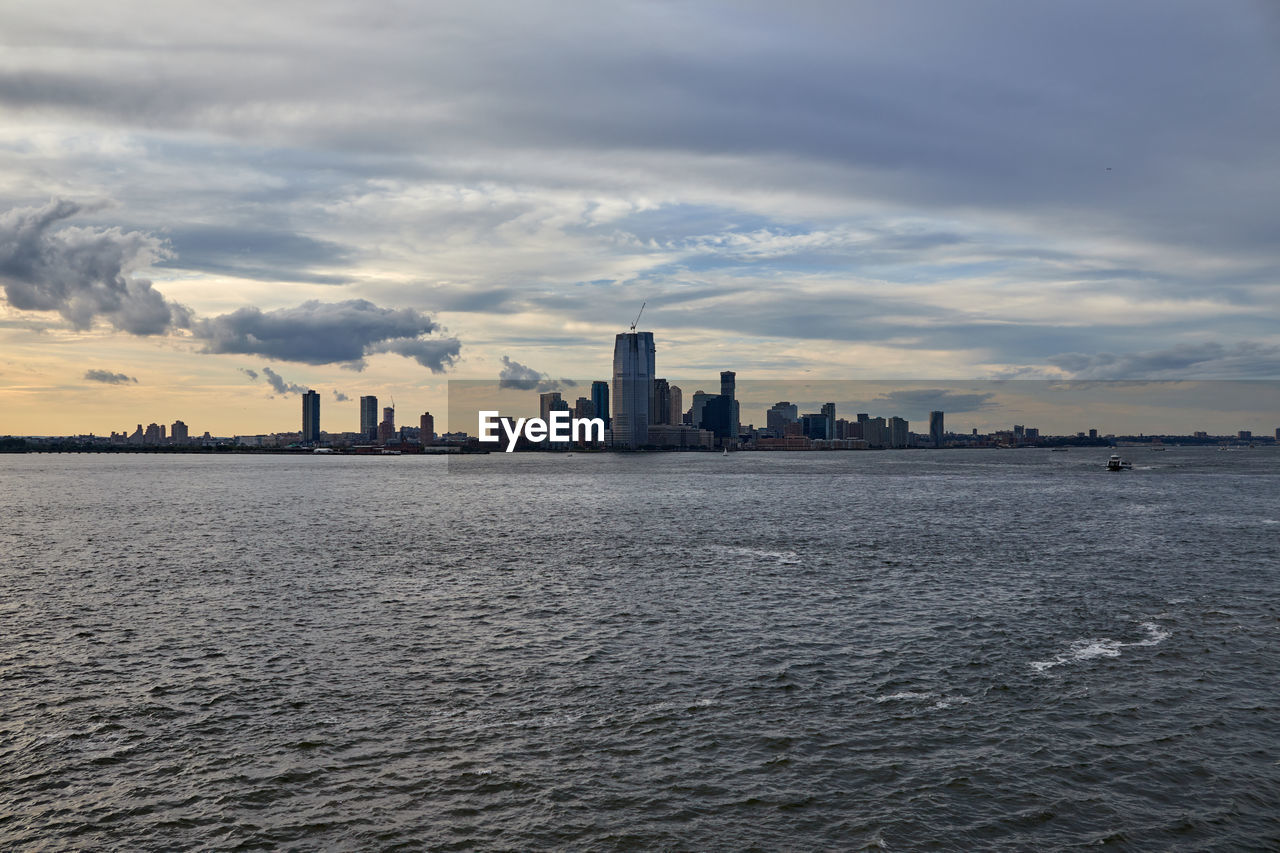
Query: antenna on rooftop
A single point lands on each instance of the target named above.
(633, 325)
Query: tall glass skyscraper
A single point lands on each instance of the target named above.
(369, 417)
(633, 374)
(311, 416)
(600, 400)
(728, 388)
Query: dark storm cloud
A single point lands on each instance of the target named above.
(1185, 361)
(82, 273)
(106, 376)
(327, 333)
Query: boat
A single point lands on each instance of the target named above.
(1059, 449)
(1115, 463)
(726, 452)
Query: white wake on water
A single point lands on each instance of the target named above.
(1105, 647)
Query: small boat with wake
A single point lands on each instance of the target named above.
(1115, 463)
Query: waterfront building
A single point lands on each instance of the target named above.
(875, 432)
(310, 416)
(546, 402)
(779, 415)
(695, 410)
(717, 417)
(676, 409)
(680, 436)
(897, 428)
(600, 400)
(829, 412)
(935, 428)
(426, 428)
(728, 389)
(369, 417)
(633, 375)
(387, 428)
(178, 433)
(660, 402)
(582, 408)
(815, 426)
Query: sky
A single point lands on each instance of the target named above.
(206, 207)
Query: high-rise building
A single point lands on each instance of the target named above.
(426, 428)
(717, 417)
(546, 403)
(633, 369)
(874, 431)
(935, 428)
(310, 416)
(178, 433)
(699, 403)
(600, 400)
(582, 408)
(387, 429)
(369, 417)
(728, 388)
(829, 412)
(815, 425)
(675, 412)
(779, 415)
(897, 428)
(660, 402)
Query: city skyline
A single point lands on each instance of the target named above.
(1025, 192)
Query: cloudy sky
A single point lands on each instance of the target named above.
(206, 206)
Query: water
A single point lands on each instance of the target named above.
(1003, 650)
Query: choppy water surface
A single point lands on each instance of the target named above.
(912, 650)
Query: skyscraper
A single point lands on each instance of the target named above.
(369, 417)
(633, 369)
(677, 406)
(829, 412)
(779, 415)
(427, 428)
(698, 404)
(547, 402)
(660, 403)
(387, 429)
(728, 386)
(935, 428)
(897, 428)
(178, 433)
(310, 416)
(600, 400)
